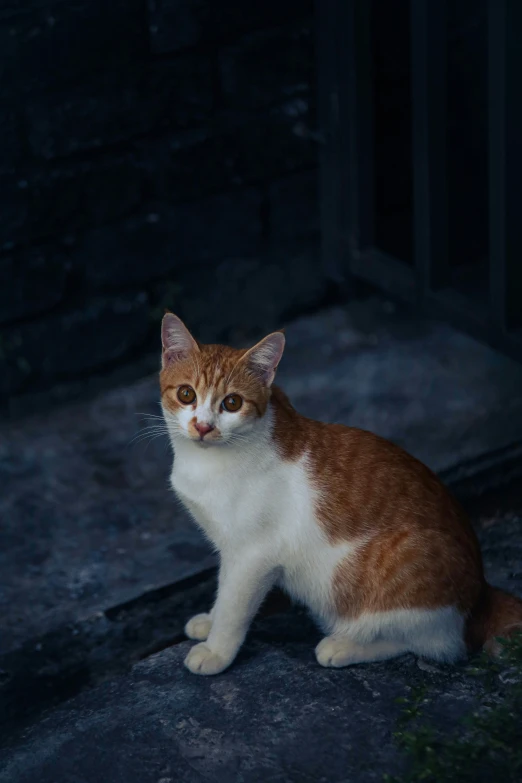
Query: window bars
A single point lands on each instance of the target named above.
(490, 308)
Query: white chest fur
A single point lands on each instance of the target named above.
(245, 498)
(228, 490)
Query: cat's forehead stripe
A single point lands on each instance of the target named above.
(214, 372)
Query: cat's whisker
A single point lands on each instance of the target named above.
(148, 441)
(166, 443)
(149, 432)
(148, 438)
(155, 423)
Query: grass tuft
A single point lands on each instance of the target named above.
(487, 744)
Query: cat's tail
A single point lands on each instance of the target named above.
(497, 615)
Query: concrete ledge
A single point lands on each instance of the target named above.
(275, 716)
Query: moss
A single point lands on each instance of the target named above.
(486, 746)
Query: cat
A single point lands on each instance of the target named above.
(346, 522)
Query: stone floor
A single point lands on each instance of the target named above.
(275, 715)
(100, 568)
(88, 521)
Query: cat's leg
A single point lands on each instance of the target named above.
(243, 583)
(335, 651)
(198, 627)
(437, 634)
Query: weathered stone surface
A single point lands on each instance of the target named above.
(10, 134)
(233, 155)
(254, 293)
(106, 148)
(170, 240)
(78, 340)
(73, 197)
(89, 520)
(178, 24)
(13, 209)
(30, 283)
(150, 98)
(276, 715)
(62, 44)
(268, 67)
(294, 205)
(274, 698)
(11, 8)
(173, 25)
(435, 391)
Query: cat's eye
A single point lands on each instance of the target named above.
(232, 403)
(186, 395)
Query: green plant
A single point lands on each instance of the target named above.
(487, 745)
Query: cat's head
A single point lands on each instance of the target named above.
(212, 394)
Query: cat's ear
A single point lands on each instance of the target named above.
(176, 340)
(264, 357)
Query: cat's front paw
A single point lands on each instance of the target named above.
(335, 653)
(202, 660)
(198, 628)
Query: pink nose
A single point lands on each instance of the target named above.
(203, 428)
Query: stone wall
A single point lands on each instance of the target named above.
(153, 153)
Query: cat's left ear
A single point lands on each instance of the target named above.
(176, 340)
(264, 357)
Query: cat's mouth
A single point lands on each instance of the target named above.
(205, 439)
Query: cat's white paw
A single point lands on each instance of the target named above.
(202, 660)
(198, 627)
(336, 653)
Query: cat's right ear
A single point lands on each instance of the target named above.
(263, 359)
(176, 340)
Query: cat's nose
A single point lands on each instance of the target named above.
(203, 429)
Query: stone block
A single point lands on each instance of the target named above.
(274, 716)
(173, 25)
(69, 198)
(13, 209)
(178, 24)
(61, 44)
(255, 294)
(165, 240)
(294, 205)
(103, 331)
(153, 97)
(231, 156)
(31, 282)
(267, 67)
(10, 146)
(10, 9)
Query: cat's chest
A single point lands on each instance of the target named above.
(223, 494)
(212, 493)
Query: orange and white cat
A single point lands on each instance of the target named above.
(344, 521)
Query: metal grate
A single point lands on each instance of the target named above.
(346, 105)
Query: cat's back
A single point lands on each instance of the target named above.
(404, 525)
(365, 483)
